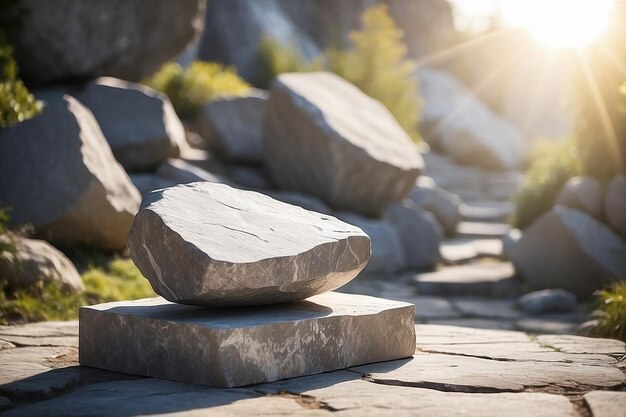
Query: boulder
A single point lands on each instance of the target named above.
(419, 232)
(615, 204)
(582, 193)
(509, 240)
(302, 200)
(35, 261)
(58, 173)
(566, 248)
(214, 245)
(252, 178)
(444, 205)
(325, 137)
(387, 251)
(139, 123)
(547, 301)
(179, 171)
(457, 123)
(233, 126)
(71, 39)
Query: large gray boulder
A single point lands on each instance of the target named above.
(582, 193)
(73, 39)
(457, 123)
(34, 261)
(615, 204)
(419, 232)
(444, 205)
(139, 122)
(387, 250)
(58, 173)
(178, 171)
(566, 248)
(325, 137)
(233, 126)
(213, 245)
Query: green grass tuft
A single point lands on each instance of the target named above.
(611, 312)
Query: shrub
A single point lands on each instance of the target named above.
(16, 102)
(611, 312)
(551, 165)
(189, 88)
(379, 66)
(377, 63)
(272, 59)
(118, 279)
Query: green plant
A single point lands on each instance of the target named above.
(551, 165)
(611, 312)
(118, 279)
(273, 58)
(379, 66)
(189, 88)
(16, 102)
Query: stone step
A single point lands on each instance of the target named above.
(488, 230)
(462, 250)
(481, 280)
(487, 211)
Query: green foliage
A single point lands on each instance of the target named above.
(273, 59)
(16, 102)
(119, 279)
(379, 66)
(7, 245)
(611, 313)
(189, 88)
(551, 165)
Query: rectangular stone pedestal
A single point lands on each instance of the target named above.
(242, 346)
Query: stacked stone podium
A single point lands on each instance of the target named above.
(246, 285)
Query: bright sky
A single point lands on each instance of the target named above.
(558, 23)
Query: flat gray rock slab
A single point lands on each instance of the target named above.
(486, 308)
(487, 211)
(482, 229)
(606, 404)
(246, 345)
(214, 245)
(468, 374)
(477, 323)
(461, 250)
(434, 334)
(481, 279)
(562, 324)
(579, 344)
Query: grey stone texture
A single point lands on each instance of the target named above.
(139, 122)
(615, 204)
(179, 171)
(582, 193)
(444, 205)
(147, 182)
(387, 249)
(71, 39)
(566, 248)
(325, 137)
(547, 301)
(244, 346)
(58, 173)
(606, 404)
(420, 234)
(36, 261)
(302, 200)
(232, 126)
(214, 245)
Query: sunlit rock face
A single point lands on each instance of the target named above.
(214, 245)
(72, 39)
(57, 172)
(456, 123)
(325, 137)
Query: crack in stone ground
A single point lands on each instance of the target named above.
(305, 401)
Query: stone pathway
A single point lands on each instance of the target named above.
(455, 371)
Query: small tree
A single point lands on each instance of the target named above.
(379, 66)
(16, 102)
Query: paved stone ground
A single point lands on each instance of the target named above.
(455, 371)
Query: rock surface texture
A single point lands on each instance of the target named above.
(582, 193)
(210, 244)
(58, 173)
(324, 137)
(233, 126)
(139, 123)
(37, 261)
(615, 204)
(460, 125)
(71, 39)
(566, 248)
(443, 205)
(248, 345)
